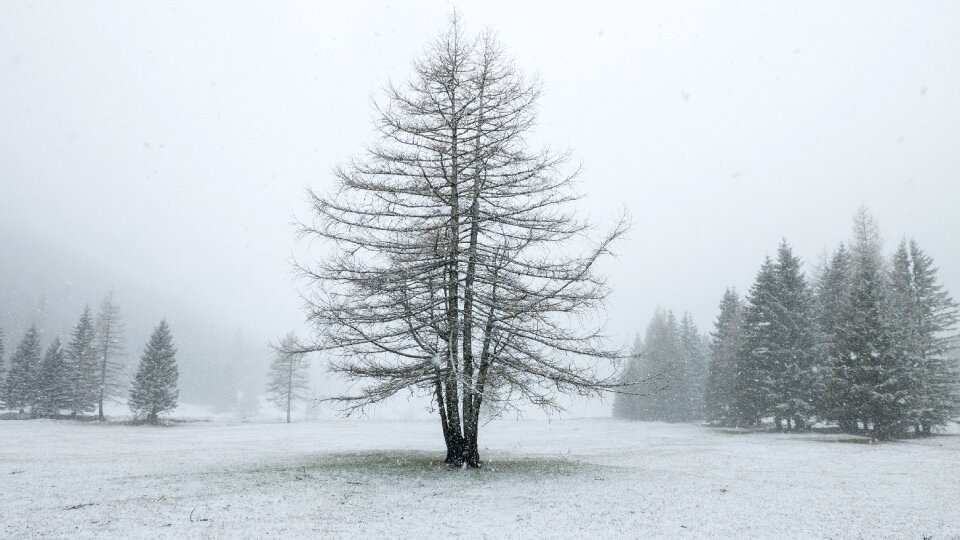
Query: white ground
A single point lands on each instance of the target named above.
(582, 478)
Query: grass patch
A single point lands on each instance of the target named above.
(417, 463)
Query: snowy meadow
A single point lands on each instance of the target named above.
(590, 477)
(499, 270)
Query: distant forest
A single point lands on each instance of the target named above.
(867, 344)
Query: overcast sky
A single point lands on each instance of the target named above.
(174, 141)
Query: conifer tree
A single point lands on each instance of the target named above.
(659, 360)
(3, 370)
(625, 402)
(693, 372)
(719, 395)
(669, 367)
(109, 351)
(792, 374)
(832, 286)
(754, 354)
(54, 381)
(935, 318)
(154, 389)
(289, 380)
(868, 381)
(82, 364)
(22, 380)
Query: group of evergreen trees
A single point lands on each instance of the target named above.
(669, 368)
(865, 344)
(79, 377)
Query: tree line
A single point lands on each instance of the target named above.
(76, 378)
(673, 358)
(864, 345)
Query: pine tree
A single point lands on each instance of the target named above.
(693, 371)
(625, 402)
(289, 380)
(110, 352)
(54, 381)
(832, 286)
(669, 369)
(21, 390)
(868, 381)
(82, 364)
(792, 374)
(936, 316)
(249, 403)
(719, 394)
(3, 370)
(659, 361)
(754, 356)
(155, 384)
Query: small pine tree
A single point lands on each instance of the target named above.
(659, 361)
(693, 371)
(625, 403)
(3, 370)
(719, 394)
(288, 375)
(249, 403)
(54, 381)
(109, 351)
(82, 364)
(155, 384)
(21, 386)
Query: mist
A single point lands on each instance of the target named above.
(672, 370)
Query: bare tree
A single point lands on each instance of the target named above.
(110, 351)
(449, 271)
(288, 375)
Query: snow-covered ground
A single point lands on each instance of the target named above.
(580, 478)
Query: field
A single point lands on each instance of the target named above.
(575, 478)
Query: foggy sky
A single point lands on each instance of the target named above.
(174, 141)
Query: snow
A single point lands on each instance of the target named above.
(373, 478)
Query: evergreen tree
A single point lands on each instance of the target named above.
(109, 351)
(935, 317)
(3, 370)
(249, 403)
(719, 395)
(289, 380)
(692, 372)
(82, 364)
(54, 381)
(155, 384)
(21, 388)
(625, 402)
(754, 356)
(832, 286)
(869, 382)
(669, 366)
(792, 373)
(659, 362)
